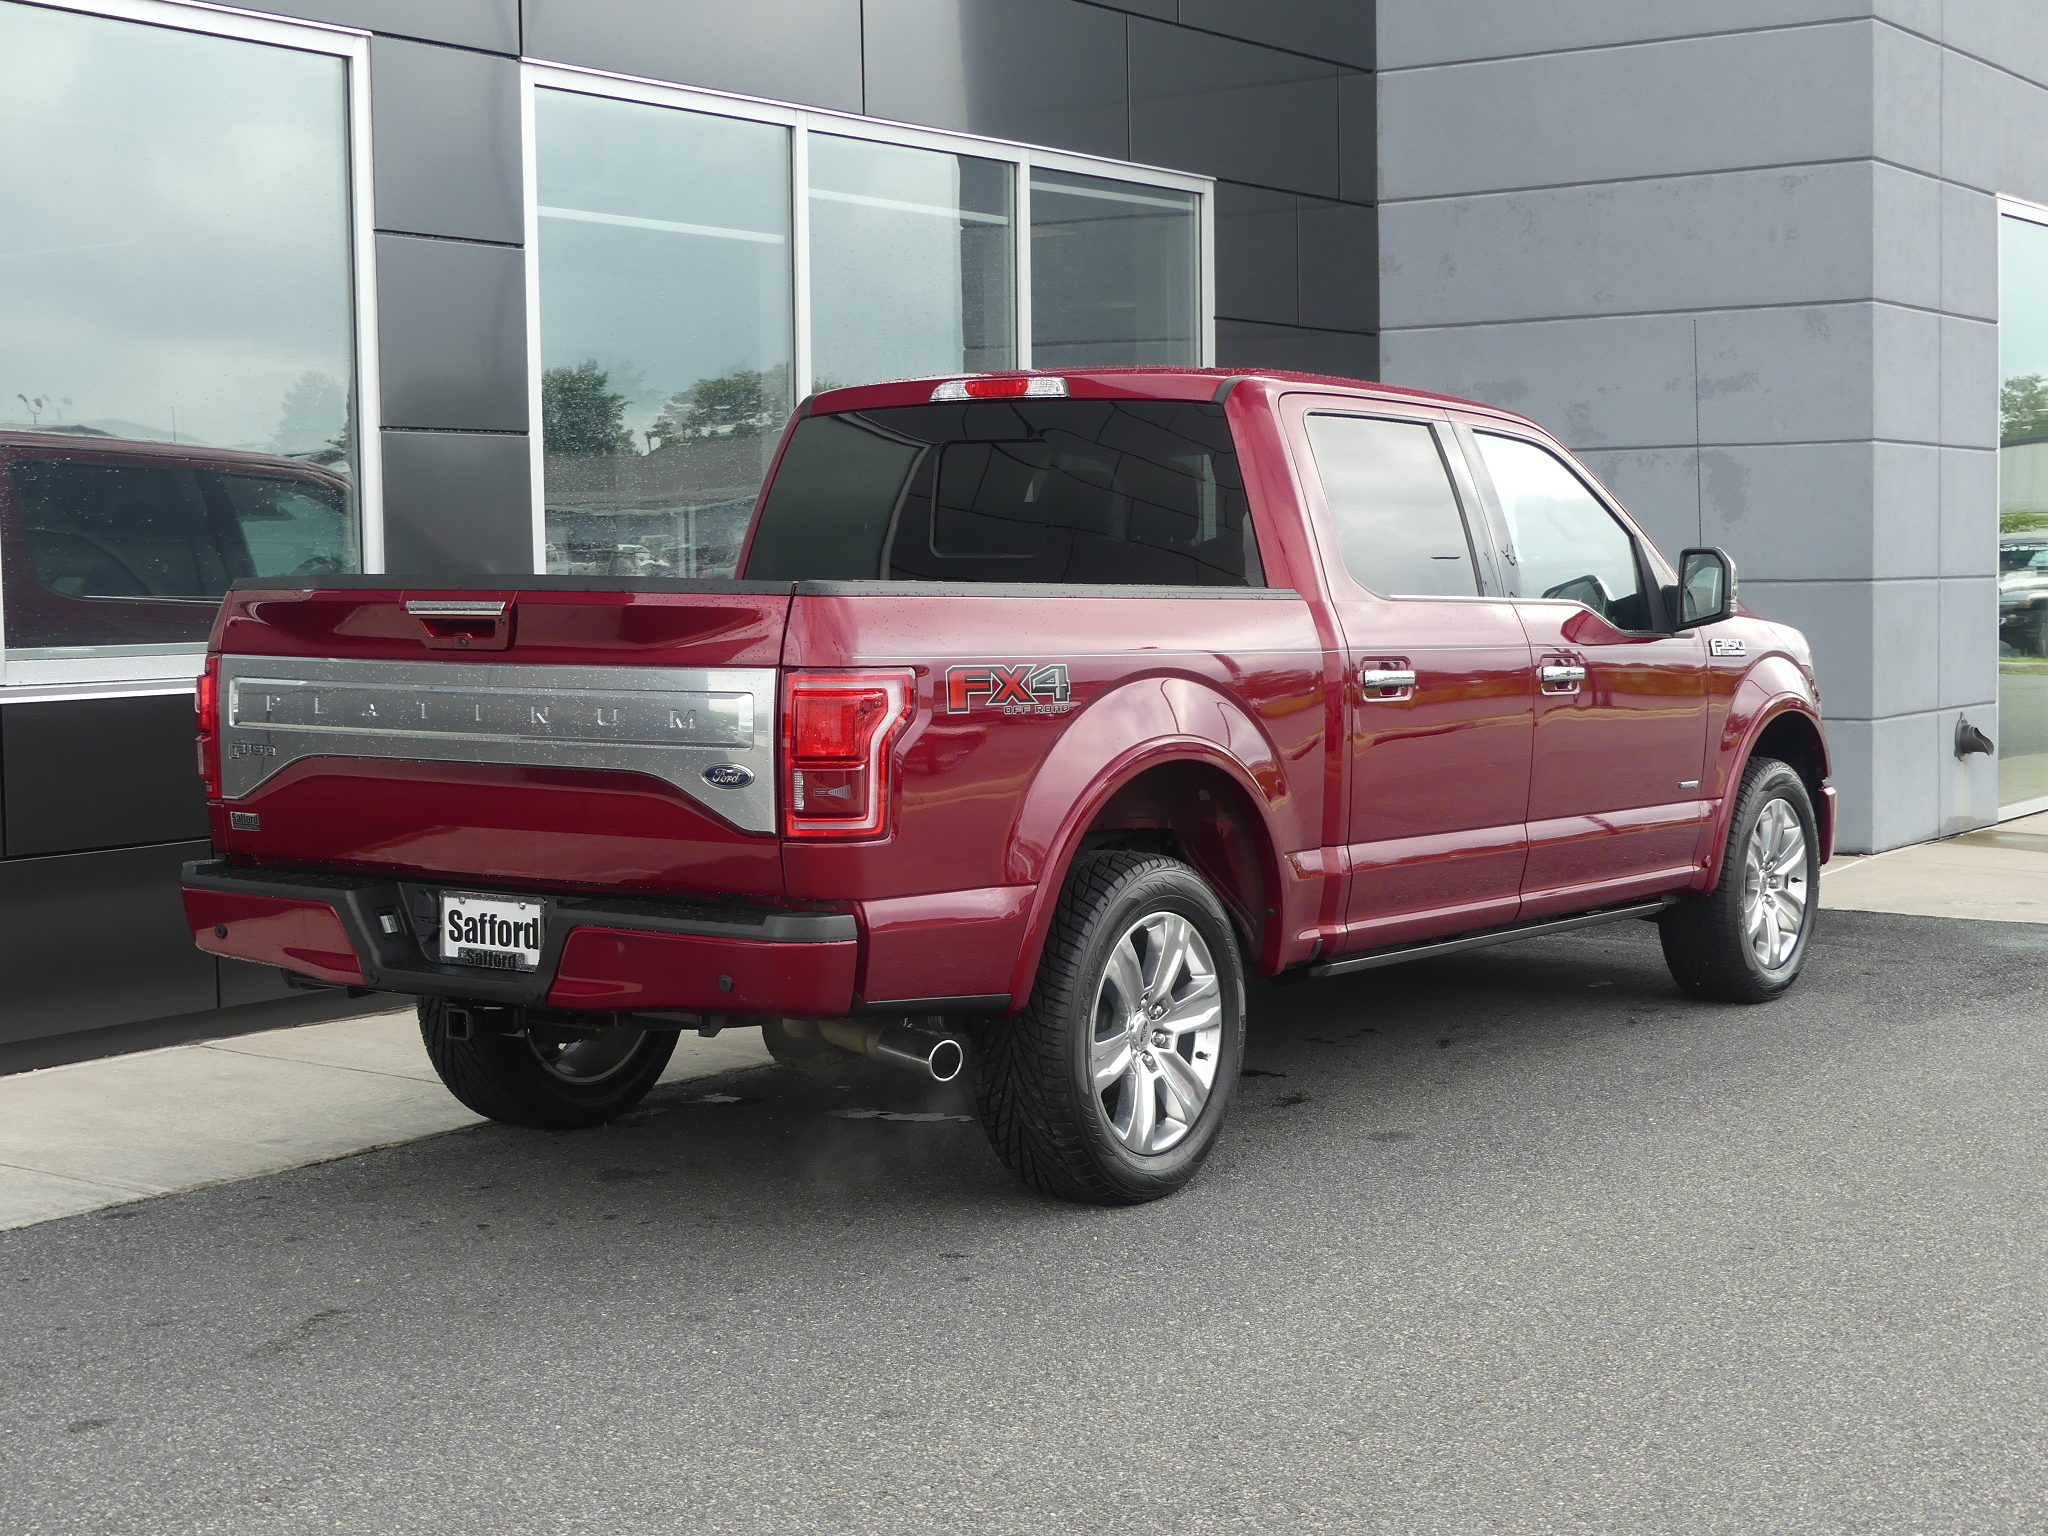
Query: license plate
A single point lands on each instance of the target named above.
(490, 931)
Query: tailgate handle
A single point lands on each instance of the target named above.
(469, 624)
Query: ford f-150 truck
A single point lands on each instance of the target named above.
(1042, 709)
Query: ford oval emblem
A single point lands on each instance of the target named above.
(729, 775)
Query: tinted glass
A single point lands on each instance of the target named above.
(1566, 544)
(2023, 513)
(177, 269)
(1396, 517)
(911, 252)
(109, 550)
(1114, 271)
(1073, 491)
(665, 302)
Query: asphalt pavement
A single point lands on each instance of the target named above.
(1516, 1242)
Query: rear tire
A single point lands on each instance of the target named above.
(553, 1083)
(1112, 1086)
(1745, 941)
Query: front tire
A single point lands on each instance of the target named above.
(1745, 940)
(546, 1081)
(1112, 1086)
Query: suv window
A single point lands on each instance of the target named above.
(119, 550)
(1566, 543)
(1064, 491)
(1399, 530)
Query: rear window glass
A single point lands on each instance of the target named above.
(1115, 492)
(114, 551)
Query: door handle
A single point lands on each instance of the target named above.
(1563, 677)
(1370, 678)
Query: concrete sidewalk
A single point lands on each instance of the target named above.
(101, 1133)
(1999, 874)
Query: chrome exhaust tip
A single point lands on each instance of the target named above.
(938, 1057)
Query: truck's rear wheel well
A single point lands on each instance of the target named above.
(1199, 815)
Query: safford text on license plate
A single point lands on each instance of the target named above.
(490, 931)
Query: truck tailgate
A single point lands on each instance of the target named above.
(526, 735)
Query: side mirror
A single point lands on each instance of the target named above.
(1706, 587)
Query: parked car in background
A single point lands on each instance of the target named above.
(113, 542)
(2023, 592)
(1044, 710)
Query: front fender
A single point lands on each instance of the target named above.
(1135, 727)
(1772, 689)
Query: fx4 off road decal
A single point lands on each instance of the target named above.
(1028, 688)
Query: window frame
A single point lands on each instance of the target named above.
(538, 75)
(69, 672)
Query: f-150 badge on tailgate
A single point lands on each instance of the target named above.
(1029, 687)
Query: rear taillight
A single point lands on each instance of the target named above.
(206, 711)
(836, 730)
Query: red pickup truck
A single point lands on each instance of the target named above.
(1042, 708)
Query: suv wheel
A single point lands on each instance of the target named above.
(1111, 1087)
(1745, 941)
(549, 1080)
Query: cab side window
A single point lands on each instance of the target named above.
(1566, 543)
(1399, 530)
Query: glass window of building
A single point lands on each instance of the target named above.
(665, 305)
(700, 263)
(911, 259)
(2023, 513)
(177, 359)
(1115, 272)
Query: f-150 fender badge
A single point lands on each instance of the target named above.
(1728, 647)
(1025, 688)
(729, 775)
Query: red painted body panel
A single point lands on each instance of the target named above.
(302, 936)
(624, 968)
(983, 792)
(1620, 758)
(549, 827)
(1748, 696)
(952, 944)
(655, 629)
(1229, 721)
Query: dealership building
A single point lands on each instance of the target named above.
(456, 288)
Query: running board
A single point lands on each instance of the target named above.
(1379, 957)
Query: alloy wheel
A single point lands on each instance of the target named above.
(1774, 886)
(586, 1059)
(1158, 1025)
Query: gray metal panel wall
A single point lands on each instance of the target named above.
(1747, 265)
(89, 940)
(99, 773)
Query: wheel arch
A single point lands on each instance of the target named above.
(1209, 799)
(1785, 728)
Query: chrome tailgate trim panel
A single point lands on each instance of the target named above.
(672, 723)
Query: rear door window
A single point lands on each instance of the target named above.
(1399, 530)
(1042, 491)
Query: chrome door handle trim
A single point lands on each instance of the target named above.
(1386, 677)
(1550, 675)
